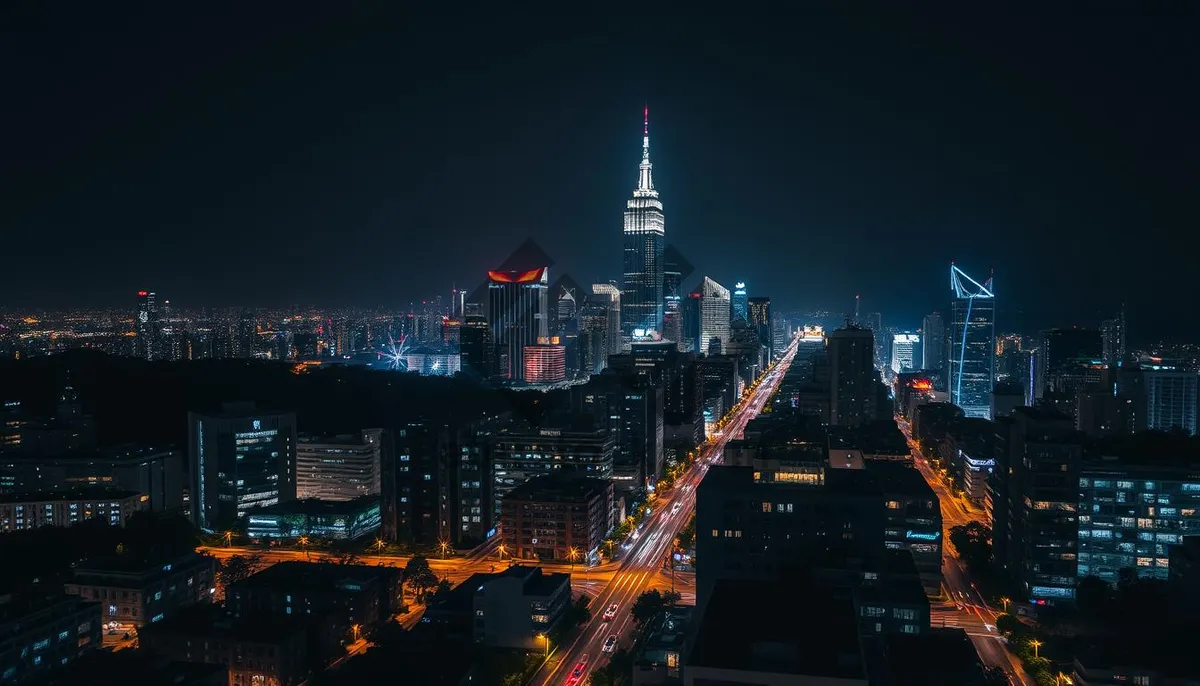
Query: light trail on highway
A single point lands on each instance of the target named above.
(642, 559)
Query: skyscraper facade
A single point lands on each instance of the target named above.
(519, 316)
(972, 344)
(1113, 333)
(904, 352)
(741, 303)
(645, 239)
(146, 326)
(672, 309)
(933, 352)
(853, 398)
(612, 294)
(714, 317)
(760, 319)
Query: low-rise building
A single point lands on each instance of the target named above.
(328, 519)
(558, 517)
(338, 467)
(334, 602)
(515, 608)
(134, 592)
(25, 511)
(259, 651)
(39, 634)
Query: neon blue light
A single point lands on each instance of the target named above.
(922, 535)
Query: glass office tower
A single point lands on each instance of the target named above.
(972, 344)
(645, 240)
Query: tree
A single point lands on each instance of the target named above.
(647, 606)
(419, 577)
(579, 612)
(237, 568)
(687, 537)
(1008, 624)
(514, 679)
(443, 590)
(973, 541)
(671, 597)
(995, 676)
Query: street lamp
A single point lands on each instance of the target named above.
(356, 629)
(1005, 601)
(379, 546)
(1060, 679)
(228, 538)
(303, 541)
(501, 551)
(1036, 644)
(444, 545)
(546, 638)
(572, 553)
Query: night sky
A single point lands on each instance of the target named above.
(268, 156)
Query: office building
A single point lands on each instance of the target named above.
(476, 349)
(561, 517)
(133, 592)
(1171, 398)
(519, 315)
(28, 511)
(610, 294)
(904, 352)
(594, 336)
(513, 609)
(520, 454)
(933, 334)
(240, 458)
(1061, 352)
(714, 317)
(644, 242)
(740, 305)
(546, 362)
(146, 326)
(972, 350)
(760, 319)
(338, 467)
(344, 520)
(675, 269)
(155, 473)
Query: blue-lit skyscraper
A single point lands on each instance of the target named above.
(741, 303)
(972, 344)
(645, 237)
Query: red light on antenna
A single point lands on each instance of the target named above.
(142, 294)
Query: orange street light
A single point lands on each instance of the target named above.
(1036, 644)
(444, 545)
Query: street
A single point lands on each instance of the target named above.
(641, 561)
(976, 616)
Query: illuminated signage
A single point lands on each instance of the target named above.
(922, 535)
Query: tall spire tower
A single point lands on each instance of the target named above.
(644, 241)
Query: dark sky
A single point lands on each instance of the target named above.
(269, 156)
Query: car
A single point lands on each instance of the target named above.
(611, 644)
(576, 675)
(611, 613)
(676, 507)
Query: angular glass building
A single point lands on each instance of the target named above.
(972, 344)
(519, 316)
(645, 240)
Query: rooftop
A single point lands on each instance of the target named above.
(560, 486)
(98, 493)
(317, 507)
(317, 576)
(139, 565)
(938, 656)
(777, 641)
(900, 478)
(210, 621)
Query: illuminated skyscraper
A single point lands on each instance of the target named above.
(741, 307)
(1113, 333)
(972, 344)
(760, 319)
(904, 352)
(714, 317)
(146, 326)
(642, 286)
(519, 316)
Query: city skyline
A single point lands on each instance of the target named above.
(983, 190)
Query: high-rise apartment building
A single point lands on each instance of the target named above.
(240, 459)
(1112, 332)
(476, 350)
(853, 391)
(933, 352)
(519, 316)
(714, 317)
(1060, 353)
(645, 236)
(972, 344)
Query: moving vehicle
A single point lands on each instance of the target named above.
(611, 613)
(676, 507)
(576, 676)
(611, 644)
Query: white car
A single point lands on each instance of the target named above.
(611, 644)
(611, 613)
